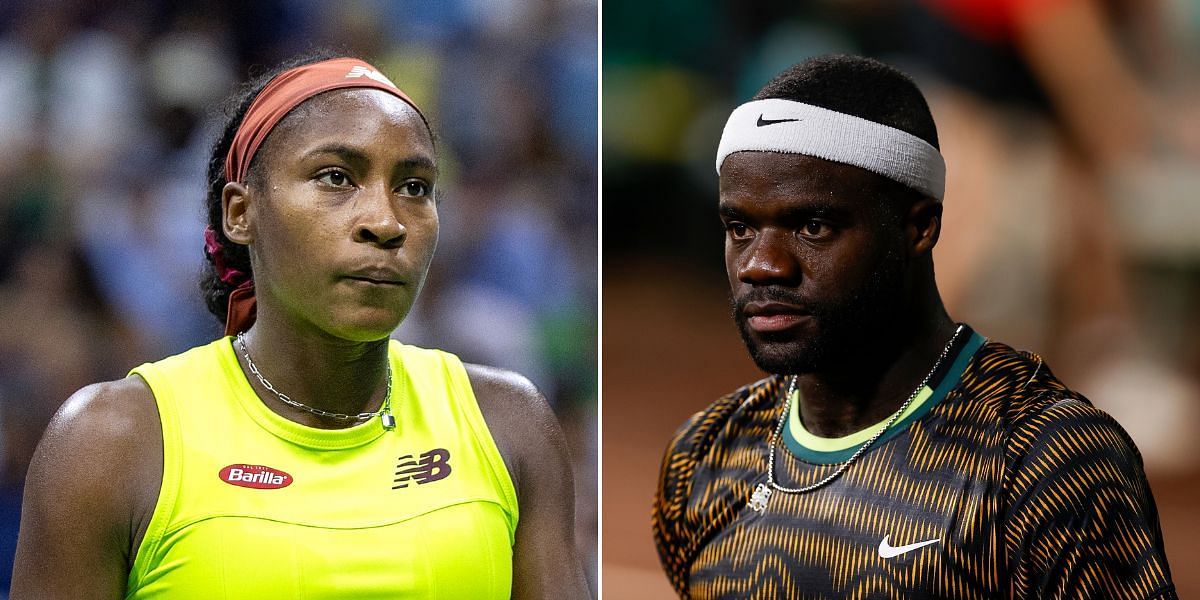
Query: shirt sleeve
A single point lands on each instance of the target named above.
(1080, 520)
(671, 534)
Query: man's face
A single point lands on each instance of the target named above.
(816, 263)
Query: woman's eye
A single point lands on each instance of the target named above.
(334, 178)
(414, 188)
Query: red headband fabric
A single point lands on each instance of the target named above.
(283, 93)
(286, 91)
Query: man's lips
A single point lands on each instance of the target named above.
(768, 317)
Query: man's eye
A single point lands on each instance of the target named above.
(414, 188)
(334, 178)
(813, 228)
(738, 231)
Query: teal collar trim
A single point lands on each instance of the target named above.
(948, 382)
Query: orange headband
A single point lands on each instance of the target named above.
(286, 91)
(283, 93)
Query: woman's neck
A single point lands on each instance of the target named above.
(315, 369)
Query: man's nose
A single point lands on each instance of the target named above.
(769, 258)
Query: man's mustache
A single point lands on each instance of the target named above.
(769, 294)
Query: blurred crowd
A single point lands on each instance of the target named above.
(108, 110)
(1071, 132)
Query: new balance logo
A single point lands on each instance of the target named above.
(257, 477)
(370, 74)
(429, 467)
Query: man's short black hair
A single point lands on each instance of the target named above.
(859, 86)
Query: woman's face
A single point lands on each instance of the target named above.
(341, 220)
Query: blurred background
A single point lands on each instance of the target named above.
(1071, 132)
(107, 113)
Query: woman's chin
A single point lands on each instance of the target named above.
(366, 325)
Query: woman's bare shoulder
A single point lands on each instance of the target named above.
(104, 440)
(520, 419)
(89, 493)
(106, 418)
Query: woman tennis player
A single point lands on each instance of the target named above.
(305, 455)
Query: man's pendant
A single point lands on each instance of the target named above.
(388, 421)
(758, 501)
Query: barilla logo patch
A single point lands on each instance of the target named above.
(258, 477)
(370, 74)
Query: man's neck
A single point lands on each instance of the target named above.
(835, 404)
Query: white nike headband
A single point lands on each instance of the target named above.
(776, 125)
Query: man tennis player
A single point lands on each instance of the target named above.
(892, 453)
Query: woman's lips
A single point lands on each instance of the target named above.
(373, 281)
(377, 275)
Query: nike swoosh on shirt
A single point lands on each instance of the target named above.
(887, 550)
(762, 121)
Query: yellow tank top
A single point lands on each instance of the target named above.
(253, 505)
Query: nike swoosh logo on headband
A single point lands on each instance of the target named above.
(762, 121)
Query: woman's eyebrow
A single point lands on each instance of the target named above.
(347, 153)
(358, 156)
(418, 162)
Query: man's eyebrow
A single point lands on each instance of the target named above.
(813, 209)
(808, 210)
(728, 212)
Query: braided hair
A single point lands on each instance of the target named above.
(220, 251)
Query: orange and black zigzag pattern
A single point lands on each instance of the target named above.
(1028, 490)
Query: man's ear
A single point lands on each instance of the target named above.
(923, 225)
(237, 213)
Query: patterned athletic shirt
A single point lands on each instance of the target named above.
(1002, 484)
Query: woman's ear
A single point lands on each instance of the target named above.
(237, 213)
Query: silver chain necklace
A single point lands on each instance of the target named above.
(762, 492)
(384, 413)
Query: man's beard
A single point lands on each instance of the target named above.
(843, 330)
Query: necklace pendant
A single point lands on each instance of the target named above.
(388, 421)
(758, 501)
